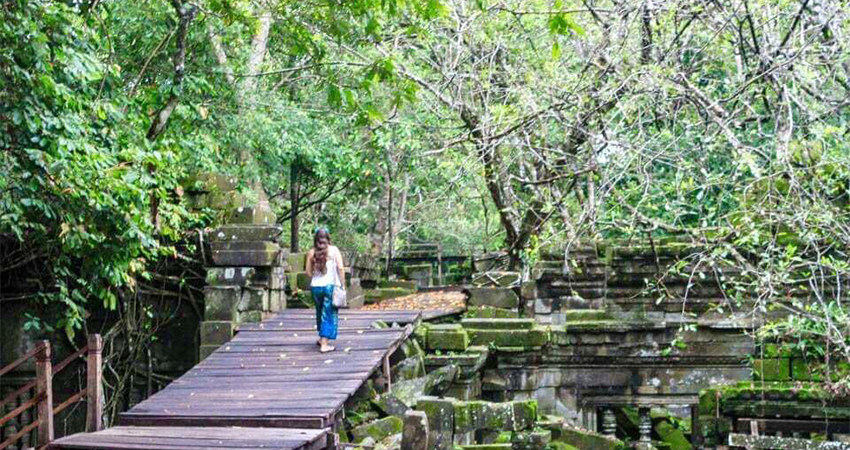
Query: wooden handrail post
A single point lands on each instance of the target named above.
(44, 385)
(94, 384)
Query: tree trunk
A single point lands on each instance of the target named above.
(294, 200)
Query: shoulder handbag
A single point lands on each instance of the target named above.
(340, 299)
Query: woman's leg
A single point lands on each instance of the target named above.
(319, 301)
(329, 325)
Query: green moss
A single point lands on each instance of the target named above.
(535, 337)
(378, 429)
(586, 440)
(672, 436)
(582, 315)
(456, 340)
(560, 446)
(490, 312)
(776, 369)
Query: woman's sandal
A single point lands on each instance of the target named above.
(327, 349)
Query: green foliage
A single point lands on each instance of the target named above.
(79, 181)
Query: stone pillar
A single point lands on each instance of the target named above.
(440, 416)
(246, 277)
(645, 425)
(609, 422)
(415, 432)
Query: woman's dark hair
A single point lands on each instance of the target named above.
(321, 242)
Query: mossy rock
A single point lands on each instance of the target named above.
(498, 324)
(775, 369)
(448, 340)
(584, 315)
(378, 430)
(672, 436)
(560, 446)
(535, 337)
(586, 440)
(402, 284)
(490, 312)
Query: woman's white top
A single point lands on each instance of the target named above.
(330, 275)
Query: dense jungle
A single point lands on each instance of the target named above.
(517, 131)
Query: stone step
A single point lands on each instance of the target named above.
(498, 324)
(403, 284)
(582, 315)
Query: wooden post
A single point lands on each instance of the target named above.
(44, 385)
(387, 373)
(94, 384)
(440, 264)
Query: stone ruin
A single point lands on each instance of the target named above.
(604, 361)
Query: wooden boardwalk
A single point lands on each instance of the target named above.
(270, 376)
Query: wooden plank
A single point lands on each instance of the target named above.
(17, 411)
(14, 438)
(208, 421)
(784, 443)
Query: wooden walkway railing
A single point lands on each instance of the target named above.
(42, 401)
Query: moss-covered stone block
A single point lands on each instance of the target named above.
(583, 315)
(378, 294)
(486, 447)
(774, 369)
(440, 413)
(524, 413)
(496, 297)
(489, 312)
(216, 332)
(535, 337)
(531, 440)
(442, 337)
(671, 435)
(806, 370)
(378, 430)
(297, 261)
(586, 440)
(402, 284)
(498, 324)
(298, 280)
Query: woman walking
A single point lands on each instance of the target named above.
(324, 267)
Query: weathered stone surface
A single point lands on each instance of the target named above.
(277, 300)
(251, 317)
(415, 434)
(216, 332)
(403, 284)
(378, 294)
(211, 182)
(445, 338)
(495, 279)
(421, 274)
(586, 440)
(489, 312)
(220, 303)
(408, 369)
(241, 254)
(531, 440)
(206, 350)
(536, 337)
(244, 233)
(775, 369)
(408, 391)
(297, 261)
(277, 278)
(256, 215)
(378, 430)
(356, 295)
(254, 299)
(238, 276)
(298, 280)
(498, 324)
(440, 413)
(496, 297)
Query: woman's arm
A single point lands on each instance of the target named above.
(309, 266)
(340, 268)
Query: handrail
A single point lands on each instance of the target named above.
(11, 366)
(43, 400)
(19, 434)
(20, 409)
